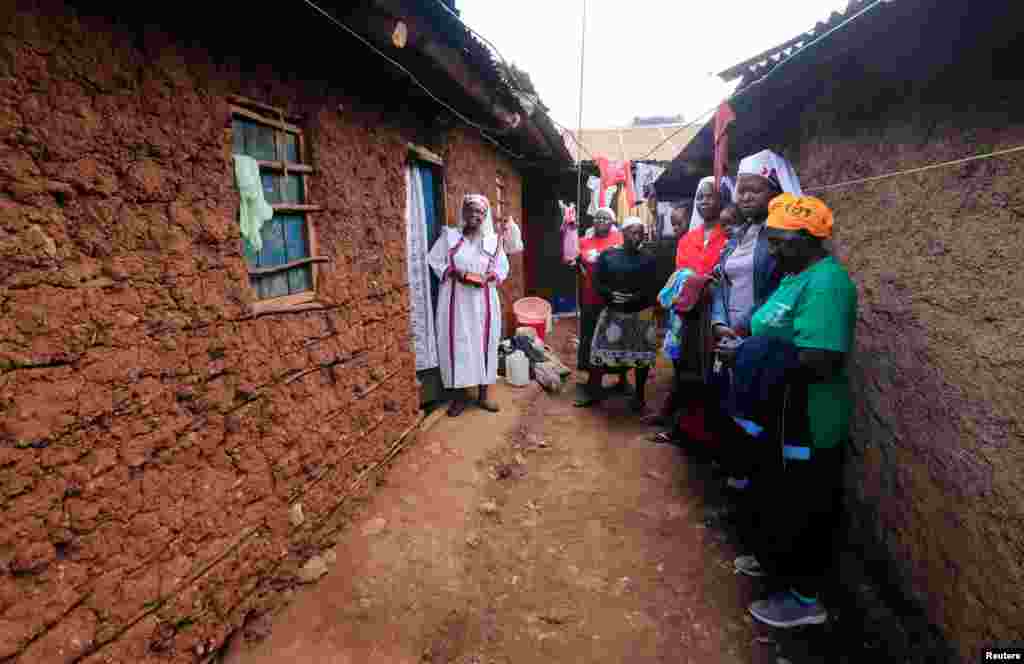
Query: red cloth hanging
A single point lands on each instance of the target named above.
(616, 172)
(723, 118)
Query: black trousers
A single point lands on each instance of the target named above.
(791, 512)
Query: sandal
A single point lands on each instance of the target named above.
(662, 438)
(456, 408)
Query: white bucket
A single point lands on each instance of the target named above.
(517, 369)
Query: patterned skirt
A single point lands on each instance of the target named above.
(624, 341)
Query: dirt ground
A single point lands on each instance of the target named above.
(542, 534)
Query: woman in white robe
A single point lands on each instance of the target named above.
(471, 263)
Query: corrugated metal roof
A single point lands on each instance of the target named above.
(754, 68)
(633, 143)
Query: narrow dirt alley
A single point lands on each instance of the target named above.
(542, 534)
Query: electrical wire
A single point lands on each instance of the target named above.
(480, 128)
(508, 67)
(921, 169)
(768, 75)
(579, 168)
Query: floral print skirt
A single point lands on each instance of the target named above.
(624, 340)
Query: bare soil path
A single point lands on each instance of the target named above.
(544, 534)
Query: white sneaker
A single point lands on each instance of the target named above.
(737, 484)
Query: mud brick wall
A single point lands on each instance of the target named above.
(936, 475)
(471, 167)
(157, 440)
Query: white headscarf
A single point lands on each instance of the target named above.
(632, 221)
(769, 165)
(607, 210)
(696, 220)
(490, 238)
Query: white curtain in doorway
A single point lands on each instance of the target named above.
(421, 313)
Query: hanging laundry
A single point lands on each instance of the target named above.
(253, 209)
(643, 181)
(570, 233)
(512, 237)
(594, 185)
(723, 118)
(617, 172)
(665, 218)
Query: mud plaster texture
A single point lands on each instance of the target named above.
(155, 437)
(935, 477)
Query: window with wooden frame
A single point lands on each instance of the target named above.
(499, 202)
(284, 270)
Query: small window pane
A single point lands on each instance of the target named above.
(273, 252)
(270, 188)
(259, 142)
(300, 279)
(291, 147)
(237, 136)
(295, 236)
(272, 285)
(291, 189)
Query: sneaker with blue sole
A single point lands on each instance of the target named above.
(785, 610)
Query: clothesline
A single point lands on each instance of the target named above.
(921, 169)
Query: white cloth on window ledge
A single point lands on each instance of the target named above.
(253, 209)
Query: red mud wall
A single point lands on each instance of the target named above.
(155, 439)
(936, 474)
(471, 167)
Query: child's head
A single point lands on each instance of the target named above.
(730, 218)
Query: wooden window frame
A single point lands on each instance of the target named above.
(501, 189)
(276, 118)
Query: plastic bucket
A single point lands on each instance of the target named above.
(533, 312)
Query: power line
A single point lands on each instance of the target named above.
(480, 128)
(920, 169)
(576, 139)
(768, 75)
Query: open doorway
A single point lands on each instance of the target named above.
(424, 223)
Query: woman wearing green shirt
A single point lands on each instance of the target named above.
(815, 310)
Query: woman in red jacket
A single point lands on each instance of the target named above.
(699, 250)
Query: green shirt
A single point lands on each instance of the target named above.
(817, 309)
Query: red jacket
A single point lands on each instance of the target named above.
(691, 252)
(590, 249)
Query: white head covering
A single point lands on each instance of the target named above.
(606, 210)
(727, 186)
(632, 221)
(490, 238)
(769, 165)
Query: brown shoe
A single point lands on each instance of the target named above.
(489, 405)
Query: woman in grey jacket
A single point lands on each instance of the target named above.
(747, 273)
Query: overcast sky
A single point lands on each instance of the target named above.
(643, 57)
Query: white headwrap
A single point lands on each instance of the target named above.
(632, 221)
(606, 210)
(696, 220)
(490, 238)
(769, 165)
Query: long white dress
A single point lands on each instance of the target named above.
(468, 317)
